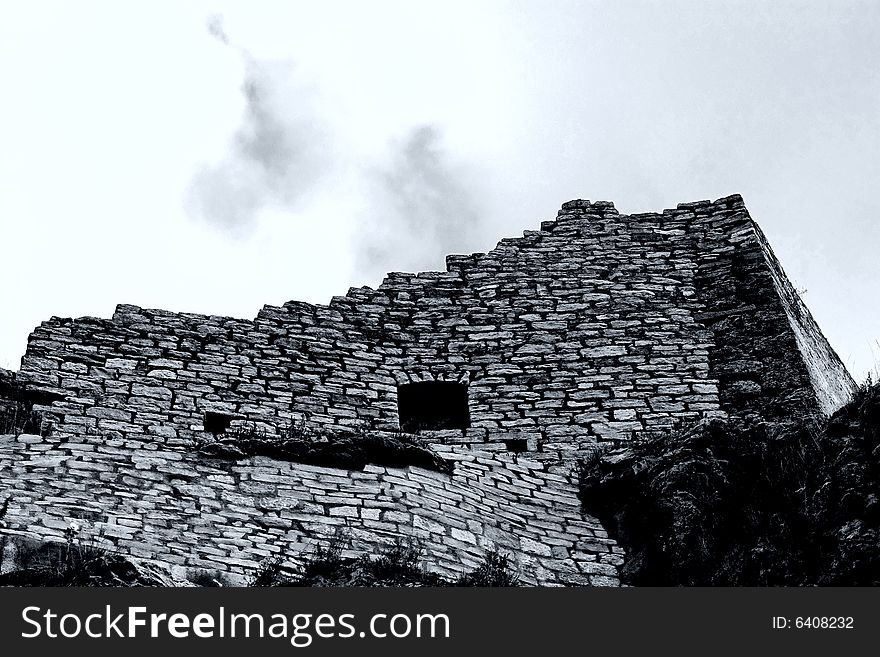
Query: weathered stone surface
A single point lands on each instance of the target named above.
(178, 498)
(598, 326)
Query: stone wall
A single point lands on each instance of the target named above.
(597, 327)
(593, 328)
(768, 353)
(183, 510)
(8, 395)
(829, 378)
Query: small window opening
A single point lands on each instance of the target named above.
(516, 445)
(217, 422)
(432, 406)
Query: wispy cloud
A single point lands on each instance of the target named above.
(216, 29)
(421, 204)
(424, 207)
(277, 154)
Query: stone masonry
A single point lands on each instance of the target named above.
(595, 328)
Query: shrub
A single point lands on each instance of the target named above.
(399, 564)
(78, 561)
(326, 563)
(496, 570)
(396, 565)
(747, 502)
(271, 572)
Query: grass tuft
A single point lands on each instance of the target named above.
(399, 565)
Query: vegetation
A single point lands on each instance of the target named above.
(207, 578)
(81, 561)
(398, 565)
(747, 502)
(350, 451)
(496, 570)
(78, 561)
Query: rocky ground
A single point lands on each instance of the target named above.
(74, 563)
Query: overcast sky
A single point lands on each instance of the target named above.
(216, 156)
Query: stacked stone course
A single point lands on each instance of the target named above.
(597, 327)
(179, 509)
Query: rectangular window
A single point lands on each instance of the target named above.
(432, 406)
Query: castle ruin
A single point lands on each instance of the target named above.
(512, 364)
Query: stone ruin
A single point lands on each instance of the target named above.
(511, 364)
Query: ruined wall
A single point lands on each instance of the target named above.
(596, 327)
(830, 381)
(8, 394)
(179, 509)
(768, 353)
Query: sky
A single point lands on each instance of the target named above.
(214, 157)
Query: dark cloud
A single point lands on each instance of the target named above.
(425, 208)
(276, 155)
